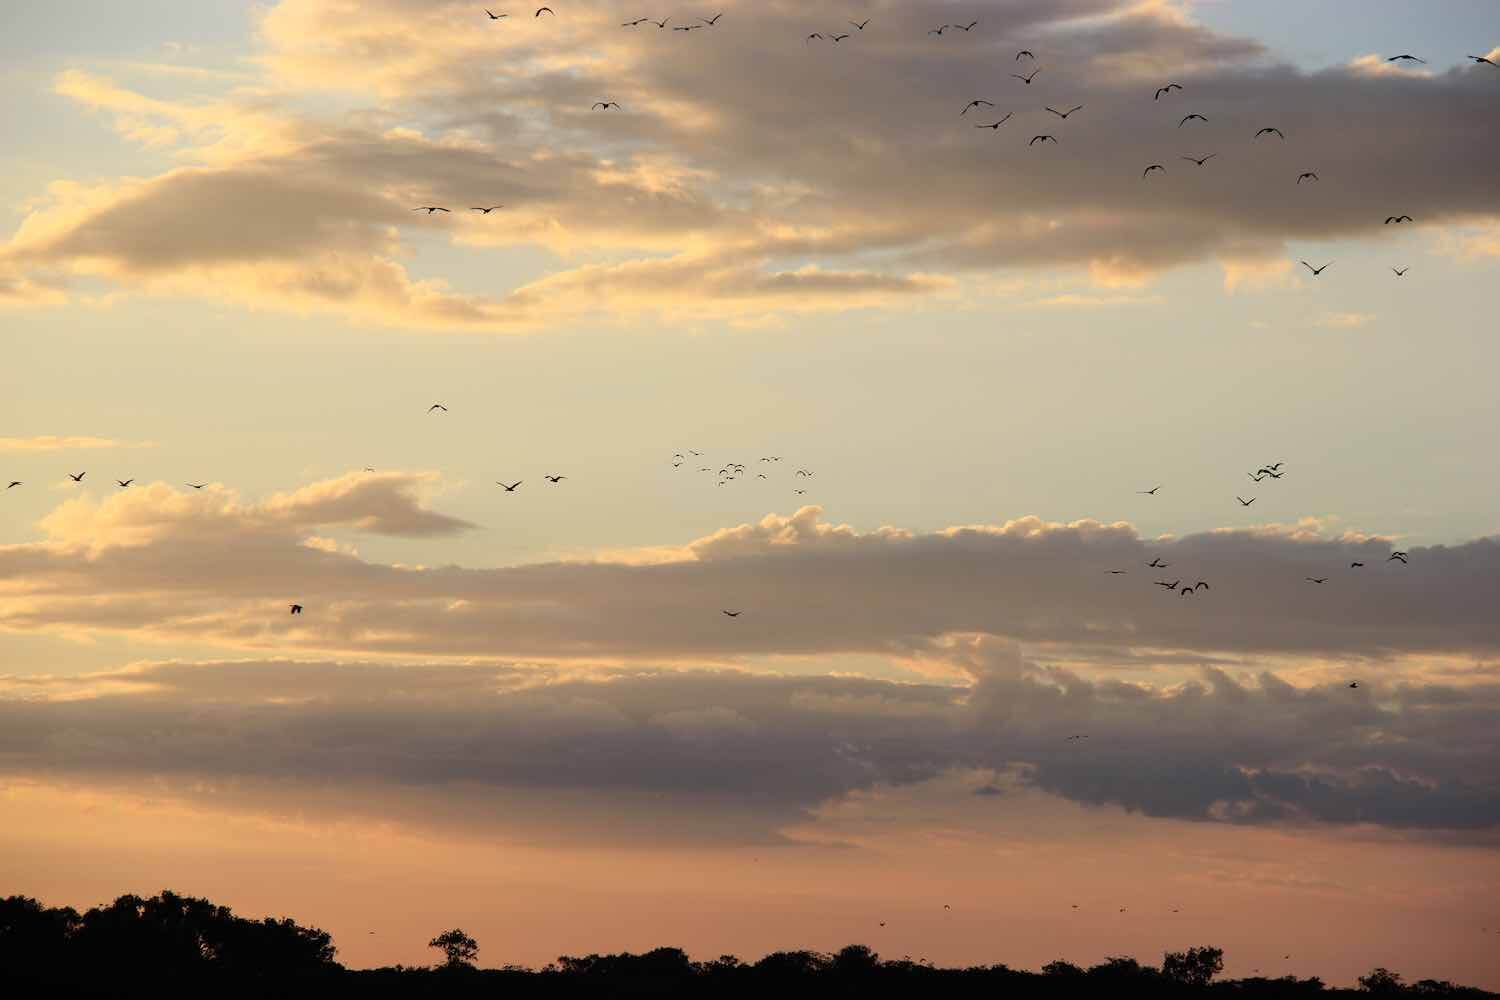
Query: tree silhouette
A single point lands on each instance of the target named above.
(1381, 980)
(459, 950)
(1194, 967)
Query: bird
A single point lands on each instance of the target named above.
(1188, 591)
(1273, 475)
(1480, 59)
(1400, 556)
(662, 23)
(1356, 565)
(811, 37)
(1273, 468)
(123, 483)
(511, 488)
(636, 22)
(1397, 218)
(760, 475)
(1028, 77)
(995, 126)
(861, 26)
(1406, 57)
(1064, 114)
(838, 38)
(803, 472)
(486, 211)
(437, 406)
(1269, 131)
(1203, 584)
(1042, 139)
(799, 492)
(1170, 586)
(976, 103)
(1400, 553)
(966, 27)
(1200, 162)
(1025, 52)
(1255, 476)
(554, 479)
(1316, 270)
(606, 105)
(711, 21)
(939, 30)
(1077, 736)
(1150, 493)
(544, 10)
(732, 614)
(1354, 684)
(296, 609)
(1115, 572)
(78, 478)
(1245, 503)
(1188, 118)
(1316, 579)
(1306, 175)
(14, 484)
(1154, 166)
(429, 209)
(196, 486)
(1400, 271)
(689, 27)
(1166, 90)
(496, 17)
(1156, 563)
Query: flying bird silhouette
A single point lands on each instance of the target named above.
(1150, 493)
(1156, 563)
(732, 614)
(1154, 166)
(1269, 131)
(511, 488)
(838, 38)
(1025, 52)
(544, 10)
(429, 209)
(1316, 579)
(1200, 162)
(1354, 684)
(14, 484)
(1306, 175)
(1203, 584)
(1246, 503)
(1187, 591)
(1188, 118)
(711, 21)
(637, 21)
(1480, 59)
(1064, 114)
(296, 609)
(1406, 57)
(122, 483)
(195, 486)
(1170, 586)
(995, 126)
(496, 17)
(78, 478)
(1400, 556)
(554, 479)
(606, 105)
(1166, 90)
(486, 211)
(1316, 270)
(811, 37)
(662, 23)
(861, 26)
(1028, 77)
(1356, 565)
(1397, 218)
(1115, 572)
(976, 102)
(437, 406)
(966, 27)
(1042, 139)
(1400, 271)
(688, 27)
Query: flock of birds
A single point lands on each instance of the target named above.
(1042, 138)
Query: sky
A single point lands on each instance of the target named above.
(951, 362)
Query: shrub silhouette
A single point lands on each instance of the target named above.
(459, 950)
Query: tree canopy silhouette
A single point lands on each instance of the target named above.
(459, 950)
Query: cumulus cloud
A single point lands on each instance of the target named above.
(163, 563)
(709, 196)
(1249, 750)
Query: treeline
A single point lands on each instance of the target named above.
(170, 945)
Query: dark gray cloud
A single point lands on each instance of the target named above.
(1251, 750)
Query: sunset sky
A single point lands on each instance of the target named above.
(523, 712)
